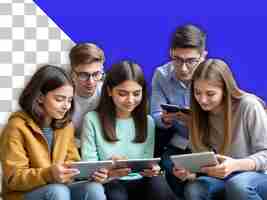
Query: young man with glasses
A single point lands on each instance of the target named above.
(86, 61)
(171, 85)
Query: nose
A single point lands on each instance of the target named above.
(90, 79)
(131, 98)
(203, 99)
(184, 67)
(66, 105)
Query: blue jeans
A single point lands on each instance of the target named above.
(154, 188)
(241, 186)
(175, 184)
(82, 190)
(205, 188)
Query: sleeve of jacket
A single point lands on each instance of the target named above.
(17, 174)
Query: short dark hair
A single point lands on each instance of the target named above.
(85, 53)
(118, 73)
(45, 79)
(188, 36)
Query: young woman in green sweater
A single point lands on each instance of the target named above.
(121, 129)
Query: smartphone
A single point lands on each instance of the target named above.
(173, 108)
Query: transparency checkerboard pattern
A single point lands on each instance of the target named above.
(28, 39)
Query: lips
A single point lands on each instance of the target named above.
(129, 106)
(61, 112)
(89, 88)
(185, 75)
(205, 107)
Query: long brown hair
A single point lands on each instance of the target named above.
(218, 72)
(117, 74)
(45, 79)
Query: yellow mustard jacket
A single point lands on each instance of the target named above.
(25, 156)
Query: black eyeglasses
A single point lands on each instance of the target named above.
(85, 76)
(189, 62)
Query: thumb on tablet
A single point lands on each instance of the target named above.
(221, 158)
(155, 168)
(117, 157)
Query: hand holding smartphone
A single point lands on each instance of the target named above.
(170, 108)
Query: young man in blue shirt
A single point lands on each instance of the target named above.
(171, 85)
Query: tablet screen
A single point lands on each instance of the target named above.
(195, 161)
(137, 165)
(86, 168)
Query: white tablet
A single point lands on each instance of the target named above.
(137, 164)
(86, 168)
(195, 161)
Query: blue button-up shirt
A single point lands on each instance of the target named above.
(167, 89)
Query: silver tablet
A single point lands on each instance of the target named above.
(195, 161)
(86, 168)
(137, 164)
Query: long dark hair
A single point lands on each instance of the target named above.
(217, 72)
(117, 74)
(45, 79)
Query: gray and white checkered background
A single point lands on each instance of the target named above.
(28, 39)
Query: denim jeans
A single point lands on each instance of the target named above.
(82, 190)
(204, 188)
(167, 165)
(241, 186)
(247, 185)
(154, 188)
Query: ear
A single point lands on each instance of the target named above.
(204, 55)
(40, 99)
(171, 53)
(73, 75)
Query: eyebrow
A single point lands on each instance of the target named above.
(185, 58)
(122, 90)
(197, 89)
(62, 96)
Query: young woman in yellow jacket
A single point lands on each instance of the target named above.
(38, 143)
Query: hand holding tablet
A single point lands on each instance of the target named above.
(137, 165)
(87, 168)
